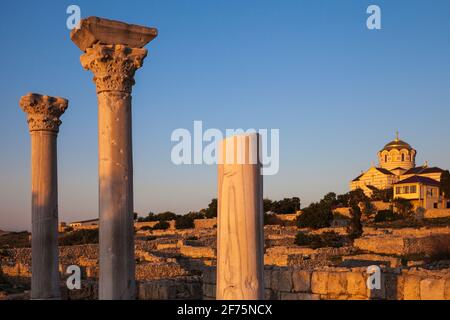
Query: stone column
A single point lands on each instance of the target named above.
(240, 235)
(113, 52)
(43, 114)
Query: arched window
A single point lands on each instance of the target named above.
(403, 157)
(385, 158)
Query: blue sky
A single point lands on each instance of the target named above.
(336, 90)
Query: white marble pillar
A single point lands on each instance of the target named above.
(240, 235)
(113, 52)
(43, 114)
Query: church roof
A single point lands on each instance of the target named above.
(397, 144)
(418, 179)
(382, 170)
(424, 170)
(385, 171)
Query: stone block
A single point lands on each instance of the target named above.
(319, 282)
(432, 289)
(411, 287)
(94, 30)
(285, 280)
(301, 281)
(337, 283)
(356, 284)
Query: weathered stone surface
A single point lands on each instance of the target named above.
(356, 284)
(197, 252)
(432, 289)
(319, 282)
(285, 280)
(307, 296)
(393, 286)
(267, 278)
(113, 52)
(411, 288)
(43, 112)
(288, 296)
(301, 281)
(240, 233)
(447, 289)
(93, 30)
(337, 283)
(269, 294)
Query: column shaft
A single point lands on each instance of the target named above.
(240, 239)
(116, 196)
(44, 186)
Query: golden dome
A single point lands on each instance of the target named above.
(397, 144)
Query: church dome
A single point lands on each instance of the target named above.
(397, 144)
(397, 154)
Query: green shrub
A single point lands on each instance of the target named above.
(386, 215)
(184, 222)
(270, 219)
(166, 216)
(326, 239)
(354, 228)
(161, 225)
(315, 216)
(79, 237)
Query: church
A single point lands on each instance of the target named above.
(397, 169)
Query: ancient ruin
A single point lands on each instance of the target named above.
(43, 113)
(113, 51)
(240, 239)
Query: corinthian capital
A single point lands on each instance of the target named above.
(43, 112)
(113, 65)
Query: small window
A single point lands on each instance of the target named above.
(406, 189)
(413, 189)
(398, 190)
(403, 157)
(435, 205)
(385, 158)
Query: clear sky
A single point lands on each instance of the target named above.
(336, 90)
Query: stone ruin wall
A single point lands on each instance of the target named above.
(290, 283)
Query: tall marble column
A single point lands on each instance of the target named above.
(43, 113)
(113, 52)
(240, 233)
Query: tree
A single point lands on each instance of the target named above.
(342, 200)
(195, 215)
(184, 222)
(403, 207)
(161, 225)
(445, 184)
(135, 216)
(356, 197)
(286, 206)
(267, 204)
(330, 199)
(385, 195)
(316, 216)
(211, 211)
(166, 216)
(354, 228)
